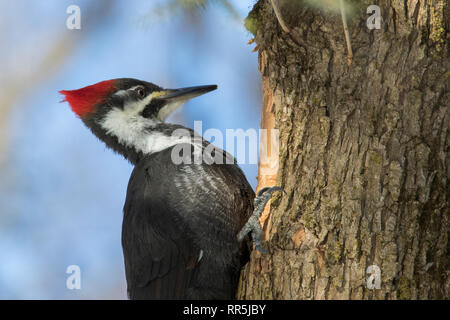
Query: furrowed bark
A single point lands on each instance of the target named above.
(363, 152)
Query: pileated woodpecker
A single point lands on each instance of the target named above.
(181, 220)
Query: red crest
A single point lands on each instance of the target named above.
(83, 101)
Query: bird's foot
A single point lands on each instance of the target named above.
(253, 225)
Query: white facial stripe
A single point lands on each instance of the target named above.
(125, 92)
(121, 93)
(165, 111)
(131, 129)
(135, 107)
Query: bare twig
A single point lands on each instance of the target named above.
(277, 11)
(347, 34)
(295, 36)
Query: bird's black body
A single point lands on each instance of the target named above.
(181, 220)
(179, 229)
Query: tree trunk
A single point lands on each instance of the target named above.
(363, 152)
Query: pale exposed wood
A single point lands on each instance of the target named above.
(267, 172)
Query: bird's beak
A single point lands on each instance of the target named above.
(184, 94)
(172, 99)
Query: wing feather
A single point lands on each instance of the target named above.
(172, 213)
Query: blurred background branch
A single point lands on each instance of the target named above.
(18, 82)
(190, 6)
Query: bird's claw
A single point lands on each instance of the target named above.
(253, 225)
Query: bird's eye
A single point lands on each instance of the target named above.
(141, 92)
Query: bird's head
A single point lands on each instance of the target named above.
(128, 112)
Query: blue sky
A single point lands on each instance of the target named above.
(61, 190)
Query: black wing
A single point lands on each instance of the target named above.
(180, 226)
